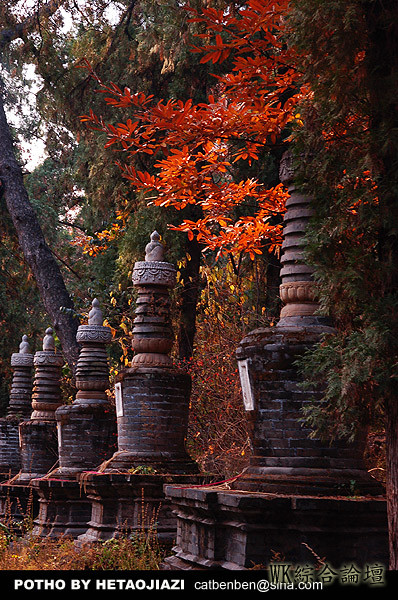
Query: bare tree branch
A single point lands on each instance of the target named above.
(30, 23)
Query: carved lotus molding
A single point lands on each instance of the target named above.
(21, 360)
(94, 333)
(298, 292)
(154, 273)
(48, 358)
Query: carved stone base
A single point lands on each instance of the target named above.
(226, 530)
(307, 309)
(64, 509)
(152, 360)
(126, 503)
(299, 298)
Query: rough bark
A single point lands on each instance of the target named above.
(37, 253)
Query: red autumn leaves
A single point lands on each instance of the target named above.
(196, 147)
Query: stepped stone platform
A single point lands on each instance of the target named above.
(131, 503)
(220, 529)
(63, 508)
(18, 504)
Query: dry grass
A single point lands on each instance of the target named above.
(21, 551)
(62, 555)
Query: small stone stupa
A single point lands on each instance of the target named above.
(87, 427)
(152, 403)
(38, 435)
(152, 397)
(86, 436)
(19, 408)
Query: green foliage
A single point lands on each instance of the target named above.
(349, 369)
(124, 554)
(21, 310)
(347, 158)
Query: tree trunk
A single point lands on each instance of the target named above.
(36, 251)
(189, 300)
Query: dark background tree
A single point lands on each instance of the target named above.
(350, 58)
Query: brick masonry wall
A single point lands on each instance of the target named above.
(39, 447)
(155, 408)
(279, 436)
(10, 461)
(86, 436)
(286, 457)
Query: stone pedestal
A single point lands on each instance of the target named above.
(130, 503)
(63, 508)
(18, 506)
(218, 529)
(86, 436)
(19, 408)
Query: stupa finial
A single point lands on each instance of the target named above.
(24, 347)
(48, 341)
(95, 315)
(154, 250)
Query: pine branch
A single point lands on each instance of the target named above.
(29, 24)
